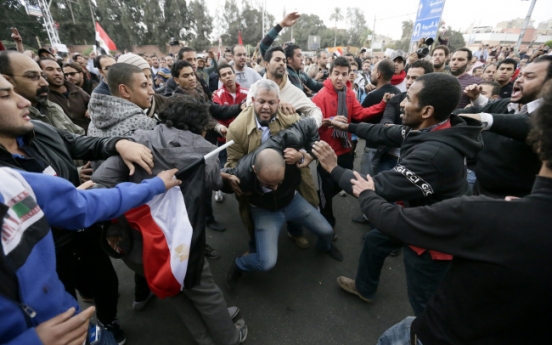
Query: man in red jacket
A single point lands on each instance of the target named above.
(337, 101)
(230, 93)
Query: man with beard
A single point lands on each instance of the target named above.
(489, 72)
(506, 166)
(245, 76)
(458, 68)
(440, 56)
(74, 74)
(431, 168)
(30, 82)
(72, 99)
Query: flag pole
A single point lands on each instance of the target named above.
(182, 172)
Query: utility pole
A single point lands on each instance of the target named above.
(525, 24)
(373, 36)
(93, 18)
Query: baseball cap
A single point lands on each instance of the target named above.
(44, 50)
(398, 54)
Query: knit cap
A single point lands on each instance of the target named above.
(133, 59)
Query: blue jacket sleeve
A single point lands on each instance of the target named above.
(69, 208)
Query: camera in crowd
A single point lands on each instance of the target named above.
(423, 51)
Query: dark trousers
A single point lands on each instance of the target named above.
(141, 288)
(328, 188)
(209, 216)
(423, 274)
(84, 263)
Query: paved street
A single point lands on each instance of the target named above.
(297, 302)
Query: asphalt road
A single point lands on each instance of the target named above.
(298, 302)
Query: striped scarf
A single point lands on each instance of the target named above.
(342, 110)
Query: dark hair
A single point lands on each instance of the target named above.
(465, 50)
(387, 69)
(341, 62)
(5, 63)
(496, 87)
(546, 58)
(98, 60)
(270, 52)
(541, 134)
(120, 73)
(223, 66)
(350, 54)
(234, 47)
(441, 91)
(290, 50)
(178, 66)
(184, 50)
(353, 64)
(45, 59)
(478, 67)
(442, 47)
(487, 66)
(425, 64)
(185, 113)
(507, 61)
(74, 66)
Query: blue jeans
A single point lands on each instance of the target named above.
(398, 334)
(223, 155)
(267, 229)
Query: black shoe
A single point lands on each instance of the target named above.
(335, 253)
(360, 219)
(117, 332)
(395, 252)
(210, 253)
(215, 226)
(232, 275)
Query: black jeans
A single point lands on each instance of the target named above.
(328, 188)
(84, 263)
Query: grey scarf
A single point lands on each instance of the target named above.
(342, 110)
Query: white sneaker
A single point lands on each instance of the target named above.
(219, 196)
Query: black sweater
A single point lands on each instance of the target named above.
(432, 164)
(497, 290)
(506, 165)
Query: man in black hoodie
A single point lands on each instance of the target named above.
(431, 168)
(498, 287)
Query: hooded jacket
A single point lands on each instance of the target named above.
(327, 99)
(113, 116)
(432, 165)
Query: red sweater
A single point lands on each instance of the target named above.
(223, 97)
(326, 100)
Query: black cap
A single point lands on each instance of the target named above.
(45, 50)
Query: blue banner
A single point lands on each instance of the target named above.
(427, 19)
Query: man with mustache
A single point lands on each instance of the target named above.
(440, 56)
(245, 76)
(459, 68)
(30, 82)
(72, 99)
(506, 166)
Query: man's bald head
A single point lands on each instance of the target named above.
(270, 168)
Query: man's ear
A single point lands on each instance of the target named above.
(9, 79)
(124, 91)
(428, 111)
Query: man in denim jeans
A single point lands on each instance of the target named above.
(270, 186)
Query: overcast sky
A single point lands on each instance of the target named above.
(459, 14)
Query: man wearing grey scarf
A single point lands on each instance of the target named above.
(338, 102)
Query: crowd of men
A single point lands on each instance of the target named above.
(438, 129)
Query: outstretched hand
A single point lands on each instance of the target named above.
(168, 178)
(290, 19)
(360, 184)
(325, 155)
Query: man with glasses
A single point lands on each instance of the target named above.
(245, 76)
(30, 82)
(72, 99)
(74, 74)
(103, 63)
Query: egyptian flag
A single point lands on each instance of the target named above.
(240, 40)
(103, 42)
(173, 233)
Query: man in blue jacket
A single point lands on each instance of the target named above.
(34, 305)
